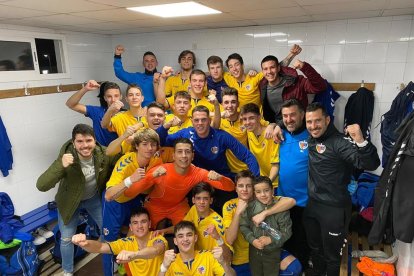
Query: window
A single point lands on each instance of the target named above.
(24, 58)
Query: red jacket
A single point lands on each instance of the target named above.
(297, 86)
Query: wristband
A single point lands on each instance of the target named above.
(127, 182)
(363, 144)
(163, 269)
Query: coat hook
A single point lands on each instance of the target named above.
(26, 89)
(58, 88)
(362, 83)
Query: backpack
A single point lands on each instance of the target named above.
(20, 260)
(401, 106)
(8, 221)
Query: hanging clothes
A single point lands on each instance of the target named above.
(6, 157)
(328, 99)
(394, 196)
(359, 110)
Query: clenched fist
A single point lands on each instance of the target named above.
(67, 160)
(119, 50)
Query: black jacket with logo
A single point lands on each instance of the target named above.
(331, 160)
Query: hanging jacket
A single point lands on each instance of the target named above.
(6, 156)
(401, 106)
(328, 99)
(393, 198)
(359, 110)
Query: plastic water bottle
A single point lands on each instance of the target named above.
(271, 231)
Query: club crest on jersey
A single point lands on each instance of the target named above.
(201, 269)
(214, 150)
(248, 87)
(303, 145)
(320, 148)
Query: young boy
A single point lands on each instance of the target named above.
(264, 250)
(190, 261)
(209, 224)
(142, 253)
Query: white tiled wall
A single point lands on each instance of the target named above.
(379, 50)
(38, 125)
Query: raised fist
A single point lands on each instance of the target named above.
(67, 160)
(119, 50)
(298, 64)
(92, 85)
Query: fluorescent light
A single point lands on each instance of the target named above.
(176, 9)
(259, 35)
(295, 41)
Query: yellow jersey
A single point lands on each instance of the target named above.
(240, 245)
(235, 129)
(205, 241)
(249, 91)
(140, 266)
(174, 84)
(120, 122)
(266, 152)
(194, 102)
(204, 264)
(125, 167)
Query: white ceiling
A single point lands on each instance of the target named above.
(111, 17)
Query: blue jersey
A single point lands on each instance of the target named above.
(293, 172)
(210, 152)
(103, 136)
(142, 80)
(218, 86)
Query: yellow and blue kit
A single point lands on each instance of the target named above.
(140, 266)
(120, 122)
(249, 91)
(266, 152)
(203, 263)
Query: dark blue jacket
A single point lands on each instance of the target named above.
(6, 157)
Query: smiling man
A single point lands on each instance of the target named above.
(171, 182)
(281, 83)
(332, 157)
(81, 170)
(144, 80)
(196, 89)
(210, 146)
(143, 254)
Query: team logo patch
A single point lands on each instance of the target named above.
(303, 145)
(214, 150)
(201, 269)
(320, 148)
(106, 231)
(248, 87)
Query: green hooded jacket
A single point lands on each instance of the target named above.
(280, 221)
(72, 180)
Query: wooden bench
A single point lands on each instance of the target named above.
(37, 218)
(358, 243)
